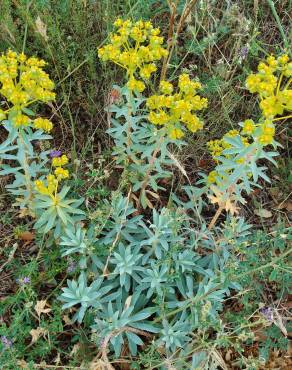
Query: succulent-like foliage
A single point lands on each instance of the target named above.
(78, 293)
(159, 274)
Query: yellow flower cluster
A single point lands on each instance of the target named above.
(23, 79)
(23, 82)
(43, 124)
(248, 127)
(53, 179)
(216, 147)
(135, 47)
(61, 173)
(266, 133)
(21, 120)
(50, 189)
(263, 132)
(275, 96)
(60, 161)
(212, 177)
(174, 110)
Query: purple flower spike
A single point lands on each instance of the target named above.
(267, 312)
(55, 153)
(7, 343)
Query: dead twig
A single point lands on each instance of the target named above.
(10, 257)
(173, 36)
(106, 340)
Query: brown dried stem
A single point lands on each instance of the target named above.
(215, 217)
(173, 36)
(104, 346)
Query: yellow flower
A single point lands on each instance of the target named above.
(211, 179)
(248, 127)
(61, 174)
(147, 70)
(135, 47)
(41, 188)
(267, 132)
(215, 147)
(269, 84)
(135, 85)
(118, 22)
(193, 123)
(177, 108)
(166, 87)
(245, 141)
(23, 81)
(186, 85)
(175, 133)
(272, 61)
(43, 124)
(283, 59)
(232, 133)
(271, 107)
(60, 161)
(288, 70)
(268, 128)
(158, 118)
(285, 99)
(252, 82)
(265, 139)
(20, 120)
(50, 189)
(22, 57)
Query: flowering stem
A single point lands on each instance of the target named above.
(150, 169)
(129, 128)
(281, 118)
(25, 167)
(105, 271)
(279, 83)
(279, 24)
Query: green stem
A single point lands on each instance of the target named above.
(279, 83)
(129, 129)
(25, 166)
(281, 118)
(269, 264)
(150, 168)
(278, 21)
(26, 26)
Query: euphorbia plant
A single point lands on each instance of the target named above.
(24, 83)
(162, 274)
(238, 153)
(142, 148)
